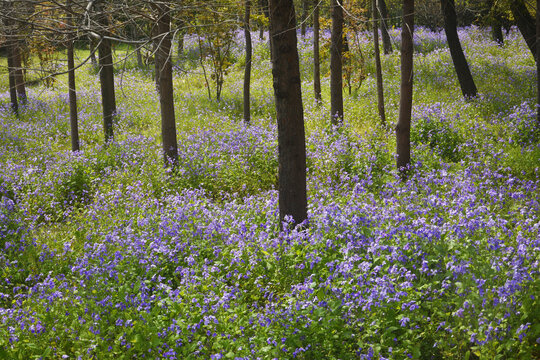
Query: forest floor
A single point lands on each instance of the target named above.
(107, 254)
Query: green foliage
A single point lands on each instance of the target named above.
(438, 131)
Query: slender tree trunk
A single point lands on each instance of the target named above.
(106, 78)
(201, 62)
(316, 52)
(11, 77)
(247, 70)
(525, 23)
(19, 76)
(336, 66)
(289, 110)
(495, 22)
(403, 127)
(466, 81)
(93, 59)
(538, 63)
(261, 26)
(140, 63)
(72, 93)
(165, 85)
(304, 17)
(180, 44)
(496, 33)
(383, 12)
(378, 69)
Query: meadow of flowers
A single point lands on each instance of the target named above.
(106, 254)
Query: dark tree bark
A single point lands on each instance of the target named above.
(496, 33)
(10, 44)
(180, 41)
(316, 53)
(466, 81)
(336, 66)
(165, 85)
(538, 62)
(262, 4)
(106, 77)
(383, 12)
(19, 76)
(11, 78)
(305, 6)
(494, 20)
(525, 23)
(93, 59)
(378, 69)
(247, 69)
(140, 63)
(289, 110)
(403, 127)
(72, 93)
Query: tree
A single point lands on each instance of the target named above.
(13, 34)
(538, 62)
(9, 44)
(403, 127)
(72, 93)
(305, 8)
(247, 69)
(378, 70)
(494, 19)
(165, 84)
(11, 78)
(383, 12)
(525, 23)
(106, 72)
(466, 81)
(316, 52)
(336, 65)
(216, 32)
(289, 111)
(18, 70)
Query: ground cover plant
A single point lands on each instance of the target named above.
(106, 254)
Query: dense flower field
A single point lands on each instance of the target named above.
(106, 254)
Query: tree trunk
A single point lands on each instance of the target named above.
(180, 42)
(466, 81)
(496, 33)
(263, 13)
(106, 77)
(403, 127)
(165, 85)
(383, 12)
(289, 111)
(304, 17)
(93, 59)
(538, 63)
(72, 94)
(19, 76)
(316, 52)
(11, 77)
(525, 23)
(336, 67)
(247, 70)
(378, 69)
(140, 63)
(9, 44)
